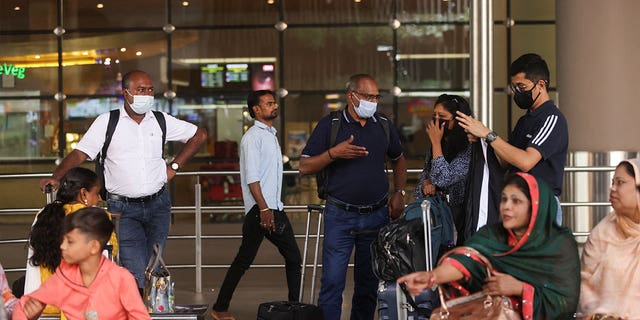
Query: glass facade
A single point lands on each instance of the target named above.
(62, 62)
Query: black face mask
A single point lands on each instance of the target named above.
(440, 122)
(524, 99)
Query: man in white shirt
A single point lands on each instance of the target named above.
(134, 170)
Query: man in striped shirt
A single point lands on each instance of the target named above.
(538, 144)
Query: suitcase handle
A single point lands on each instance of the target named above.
(320, 210)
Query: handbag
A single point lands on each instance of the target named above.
(158, 285)
(477, 305)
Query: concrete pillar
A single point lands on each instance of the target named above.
(598, 50)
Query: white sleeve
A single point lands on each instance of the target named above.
(92, 141)
(179, 130)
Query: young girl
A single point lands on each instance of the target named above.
(79, 188)
(86, 285)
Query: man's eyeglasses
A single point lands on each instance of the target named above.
(520, 88)
(369, 97)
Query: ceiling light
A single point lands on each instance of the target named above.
(85, 53)
(138, 53)
(37, 56)
(357, 1)
(16, 8)
(123, 49)
(117, 61)
(185, 3)
(100, 6)
(271, 1)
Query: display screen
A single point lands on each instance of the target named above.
(212, 76)
(237, 72)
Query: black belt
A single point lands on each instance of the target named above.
(118, 197)
(358, 208)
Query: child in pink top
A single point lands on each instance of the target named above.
(86, 285)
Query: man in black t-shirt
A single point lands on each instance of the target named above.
(538, 144)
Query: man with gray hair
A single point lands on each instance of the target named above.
(357, 192)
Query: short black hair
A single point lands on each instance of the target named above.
(253, 99)
(354, 80)
(125, 78)
(533, 66)
(92, 221)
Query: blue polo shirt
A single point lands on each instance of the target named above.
(544, 129)
(360, 181)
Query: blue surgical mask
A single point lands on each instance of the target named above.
(141, 104)
(366, 109)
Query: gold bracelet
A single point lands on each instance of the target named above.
(265, 209)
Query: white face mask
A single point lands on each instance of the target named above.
(141, 104)
(366, 109)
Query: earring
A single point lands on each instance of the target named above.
(86, 203)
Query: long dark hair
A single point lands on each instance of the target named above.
(455, 140)
(46, 233)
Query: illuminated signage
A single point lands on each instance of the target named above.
(11, 70)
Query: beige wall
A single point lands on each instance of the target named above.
(598, 49)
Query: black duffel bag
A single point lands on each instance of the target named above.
(399, 247)
(287, 310)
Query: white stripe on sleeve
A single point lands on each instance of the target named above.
(546, 130)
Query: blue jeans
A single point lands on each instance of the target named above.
(142, 224)
(558, 212)
(342, 231)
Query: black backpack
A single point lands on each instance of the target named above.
(322, 176)
(114, 116)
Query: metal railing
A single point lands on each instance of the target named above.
(198, 209)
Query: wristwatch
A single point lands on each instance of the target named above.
(175, 166)
(491, 137)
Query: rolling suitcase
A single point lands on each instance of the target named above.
(394, 302)
(289, 310)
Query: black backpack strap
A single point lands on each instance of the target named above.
(335, 126)
(114, 116)
(163, 126)
(384, 122)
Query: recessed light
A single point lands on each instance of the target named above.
(271, 1)
(117, 61)
(16, 8)
(138, 53)
(357, 1)
(185, 3)
(85, 53)
(123, 49)
(100, 6)
(37, 56)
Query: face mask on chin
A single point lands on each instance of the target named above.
(366, 109)
(141, 104)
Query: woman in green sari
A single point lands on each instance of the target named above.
(536, 261)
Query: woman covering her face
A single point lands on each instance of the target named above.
(446, 165)
(536, 261)
(610, 260)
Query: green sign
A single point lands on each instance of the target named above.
(11, 70)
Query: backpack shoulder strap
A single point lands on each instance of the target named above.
(384, 122)
(163, 126)
(114, 116)
(335, 126)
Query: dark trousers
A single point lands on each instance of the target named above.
(252, 235)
